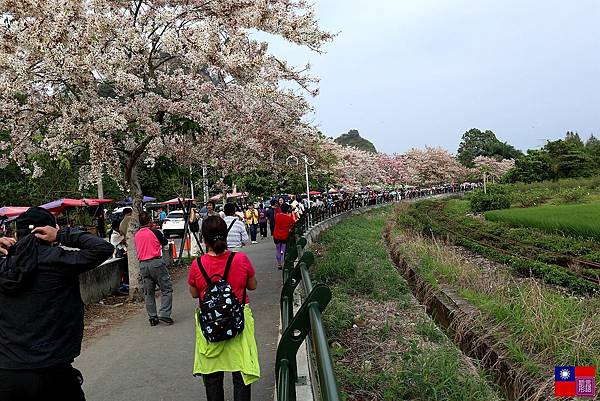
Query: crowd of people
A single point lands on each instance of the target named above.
(41, 325)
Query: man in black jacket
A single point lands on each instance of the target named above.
(41, 311)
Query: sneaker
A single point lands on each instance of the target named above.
(166, 320)
(254, 242)
(153, 321)
(279, 267)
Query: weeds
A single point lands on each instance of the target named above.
(385, 348)
(540, 325)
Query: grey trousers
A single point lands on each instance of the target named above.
(154, 272)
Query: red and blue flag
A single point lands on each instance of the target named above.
(574, 381)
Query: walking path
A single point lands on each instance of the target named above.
(136, 362)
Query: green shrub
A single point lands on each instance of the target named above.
(571, 195)
(531, 198)
(497, 197)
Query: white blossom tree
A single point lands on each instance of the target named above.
(490, 167)
(128, 81)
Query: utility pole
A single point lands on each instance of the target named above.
(191, 184)
(307, 163)
(205, 183)
(100, 188)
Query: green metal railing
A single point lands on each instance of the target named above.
(296, 327)
(308, 319)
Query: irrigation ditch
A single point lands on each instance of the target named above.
(460, 320)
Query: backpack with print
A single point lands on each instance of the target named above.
(221, 313)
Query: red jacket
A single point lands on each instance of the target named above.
(283, 224)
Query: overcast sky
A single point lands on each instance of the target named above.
(409, 73)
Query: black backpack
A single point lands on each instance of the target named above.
(221, 313)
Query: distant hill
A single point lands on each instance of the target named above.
(353, 138)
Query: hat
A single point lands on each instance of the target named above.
(35, 217)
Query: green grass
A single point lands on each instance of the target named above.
(421, 375)
(581, 220)
(540, 325)
(358, 260)
(422, 364)
(528, 251)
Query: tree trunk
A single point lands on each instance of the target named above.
(484, 182)
(135, 284)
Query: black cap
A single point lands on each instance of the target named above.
(35, 217)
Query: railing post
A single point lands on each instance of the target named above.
(292, 338)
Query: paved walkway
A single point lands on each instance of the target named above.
(136, 362)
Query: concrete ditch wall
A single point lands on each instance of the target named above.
(461, 322)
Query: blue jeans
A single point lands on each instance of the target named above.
(253, 230)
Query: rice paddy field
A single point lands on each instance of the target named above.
(537, 305)
(582, 220)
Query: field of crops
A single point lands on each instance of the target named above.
(576, 220)
(543, 321)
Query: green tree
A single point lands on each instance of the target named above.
(592, 147)
(535, 166)
(353, 138)
(484, 143)
(568, 158)
(573, 137)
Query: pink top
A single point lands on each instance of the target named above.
(147, 244)
(241, 270)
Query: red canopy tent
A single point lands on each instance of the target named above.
(59, 205)
(175, 201)
(13, 211)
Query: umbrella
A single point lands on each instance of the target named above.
(13, 211)
(333, 191)
(129, 201)
(230, 195)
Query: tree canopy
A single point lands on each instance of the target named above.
(353, 138)
(563, 158)
(483, 143)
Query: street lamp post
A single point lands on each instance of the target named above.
(307, 163)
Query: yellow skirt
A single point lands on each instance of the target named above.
(238, 354)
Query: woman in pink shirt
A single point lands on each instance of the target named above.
(241, 277)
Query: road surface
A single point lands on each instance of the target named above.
(136, 362)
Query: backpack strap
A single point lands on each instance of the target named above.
(228, 265)
(231, 225)
(227, 268)
(204, 273)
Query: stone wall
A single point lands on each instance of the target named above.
(102, 281)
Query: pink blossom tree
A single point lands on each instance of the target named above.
(433, 165)
(128, 81)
